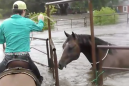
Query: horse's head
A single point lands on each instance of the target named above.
(71, 50)
(76, 43)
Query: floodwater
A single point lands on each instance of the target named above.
(78, 72)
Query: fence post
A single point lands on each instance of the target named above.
(114, 18)
(84, 21)
(56, 24)
(100, 81)
(71, 23)
(100, 20)
(56, 67)
(52, 63)
(48, 52)
(127, 17)
(92, 36)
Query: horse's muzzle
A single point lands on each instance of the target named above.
(60, 66)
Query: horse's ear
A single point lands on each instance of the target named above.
(67, 35)
(73, 34)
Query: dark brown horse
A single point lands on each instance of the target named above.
(76, 44)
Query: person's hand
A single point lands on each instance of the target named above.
(41, 17)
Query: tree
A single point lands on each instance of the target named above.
(63, 8)
(79, 7)
(98, 4)
(32, 6)
(38, 5)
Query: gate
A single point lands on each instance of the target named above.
(52, 47)
(52, 57)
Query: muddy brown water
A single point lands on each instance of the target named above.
(77, 73)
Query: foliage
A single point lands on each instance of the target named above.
(34, 15)
(1, 16)
(105, 16)
(32, 6)
(79, 5)
(38, 5)
(98, 4)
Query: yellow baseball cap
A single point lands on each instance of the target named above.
(19, 5)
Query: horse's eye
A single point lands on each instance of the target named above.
(63, 46)
(71, 47)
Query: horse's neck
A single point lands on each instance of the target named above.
(87, 53)
(86, 49)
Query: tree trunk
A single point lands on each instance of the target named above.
(63, 8)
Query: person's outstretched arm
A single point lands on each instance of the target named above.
(40, 25)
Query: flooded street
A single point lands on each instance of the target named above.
(77, 72)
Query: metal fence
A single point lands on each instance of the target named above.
(100, 82)
(84, 21)
(47, 49)
(52, 57)
(72, 22)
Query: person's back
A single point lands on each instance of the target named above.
(15, 32)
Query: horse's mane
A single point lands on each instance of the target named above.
(82, 39)
(98, 41)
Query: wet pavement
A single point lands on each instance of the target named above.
(77, 72)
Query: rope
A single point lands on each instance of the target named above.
(96, 79)
(44, 16)
(40, 63)
(44, 22)
(103, 57)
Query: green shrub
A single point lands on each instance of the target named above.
(34, 16)
(1, 16)
(105, 16)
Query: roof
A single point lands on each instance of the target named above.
(123, 3)
(60, 2)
